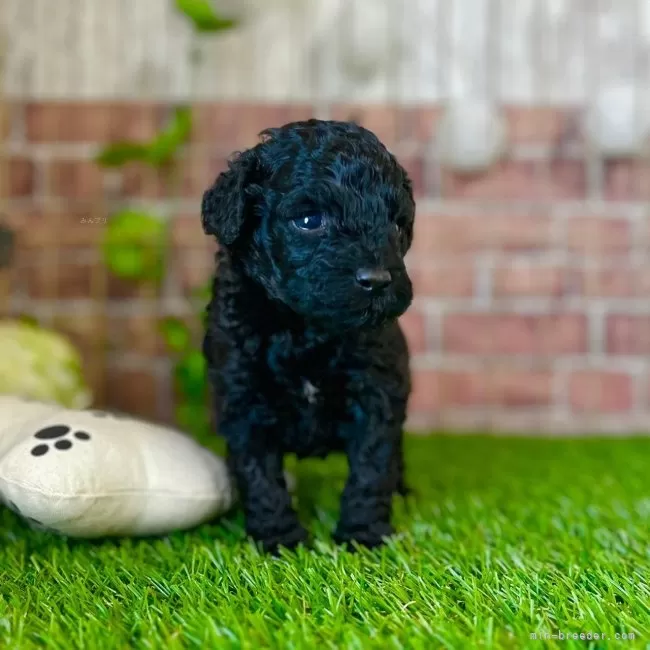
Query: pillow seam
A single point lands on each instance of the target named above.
(105, 495)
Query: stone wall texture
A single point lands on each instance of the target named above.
(532, 310)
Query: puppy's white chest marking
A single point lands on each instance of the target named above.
(309, 391)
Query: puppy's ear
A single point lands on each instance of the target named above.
(223, 210)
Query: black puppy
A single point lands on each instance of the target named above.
(304, 351)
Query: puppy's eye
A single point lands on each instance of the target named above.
(311, 222)
(398, 229)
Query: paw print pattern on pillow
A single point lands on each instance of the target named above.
(58, 432)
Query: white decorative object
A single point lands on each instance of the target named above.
(617, 123)
(471, 135)
(372, 41)
(97, 474)
(41, 364)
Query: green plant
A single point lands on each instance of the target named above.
(136, 243)
(190, 378)
(203, 16)
(159, 151)
(41, 364)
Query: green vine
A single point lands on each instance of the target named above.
(136, 243)
(203, 16)
(158, 152)
(133, 246)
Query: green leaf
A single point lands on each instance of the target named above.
(203, 293)
(133, 246)
(176, 334)
(203, 16)
(157, 152)
(120, 153)
(29, 320)
(162, 149)
(191, 377)
(193, 419)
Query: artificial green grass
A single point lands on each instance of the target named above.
(504, 538)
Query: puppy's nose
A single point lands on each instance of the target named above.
(373, 279)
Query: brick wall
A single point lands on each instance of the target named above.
(532, 280)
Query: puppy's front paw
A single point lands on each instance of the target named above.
(290, 540)
(368, 536)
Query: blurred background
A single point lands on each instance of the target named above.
(525, 127)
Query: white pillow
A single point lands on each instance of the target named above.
(96, 474)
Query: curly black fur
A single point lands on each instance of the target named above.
(304, 357)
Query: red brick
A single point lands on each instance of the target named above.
(473, 232)
(601, 391)
(139, 121)
(414, 326)
(382, 120)
(506, 387)
(137, 333)
(493, 333)
(425, 391)
(14, 221)
(564, 179)
(5, 119)
(80, 225)
(200, 172)
(67, 122)
(85, 333)
(142, 181)
(519, 233)
(122, 289)
(520, 181)
(499, 387)
(617, 281)
(132, 391)
(437, 234)
(21, 175)
(300, 112)
(92, 121)
(438, 280)
(540, 125)
(513, 387)
(415, 168)
(419, 124)
(216, 125)
(523, 280)
(626, 180)
(598, 236)
(187, 232)
(193, 269)
(82, 332)
(74, 179)
(628, 334)
(461, 389)
(235, 126)
(65, 279)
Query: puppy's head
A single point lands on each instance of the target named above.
(320, 214)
